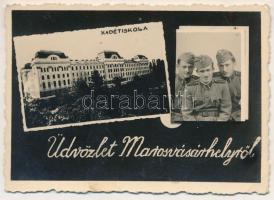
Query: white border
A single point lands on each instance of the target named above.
(265, 26)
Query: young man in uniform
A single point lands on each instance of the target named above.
(206, 99)
(226, 64)
(184, 70)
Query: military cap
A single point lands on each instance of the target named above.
(202, 61)
(188, 57)
(223, 55)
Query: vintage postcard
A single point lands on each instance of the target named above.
(211, 82)
(123, 98)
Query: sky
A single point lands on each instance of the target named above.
(85, 44)
(208, 43)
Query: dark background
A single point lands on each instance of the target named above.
(29, 150)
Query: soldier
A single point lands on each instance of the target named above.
(206, 99)
(226, 63)
(184, 70)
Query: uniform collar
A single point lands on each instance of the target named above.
(184, 80)
(231, 77)
(228, 79)
(187, 80)
(206, 85)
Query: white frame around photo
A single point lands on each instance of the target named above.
(244, 64)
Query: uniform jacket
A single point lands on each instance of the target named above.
(234, 84)
(210, 102)
(180, 85)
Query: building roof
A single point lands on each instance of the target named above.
(109, 54)
(45, 54)
(141, 57)
(27, 66)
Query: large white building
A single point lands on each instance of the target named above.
(51, 71)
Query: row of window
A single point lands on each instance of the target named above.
(87, 67)
(66, 68)
(67, 75)
(113, 70)
(60, 68)
(54, 84)
(130, 69)
(53, 76)
(128, 74)
(54, 69)
(127, 65)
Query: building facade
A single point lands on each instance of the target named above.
(51, 71)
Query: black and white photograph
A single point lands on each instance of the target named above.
(211, 76)
(92, 76)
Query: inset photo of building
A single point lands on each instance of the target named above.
(92, 76)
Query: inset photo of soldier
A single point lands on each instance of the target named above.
(211, 75)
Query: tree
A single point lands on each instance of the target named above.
(117, 81)
(97, 80)
(158, 72)
(138, 82)
(136, 78)
(80, 87)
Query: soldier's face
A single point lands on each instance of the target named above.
(184, 69)
(226, 68)
(205, 74)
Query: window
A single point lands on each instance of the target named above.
(53, 76)
(63, 75)
(49, 85)
(71, 68)
(58, 75)
(64, 82)
(54, 83)
(67, 74)
(43, 77)
(59, 83)
(69, 82)
(48, 77)
(72, 74)
(44, 85)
